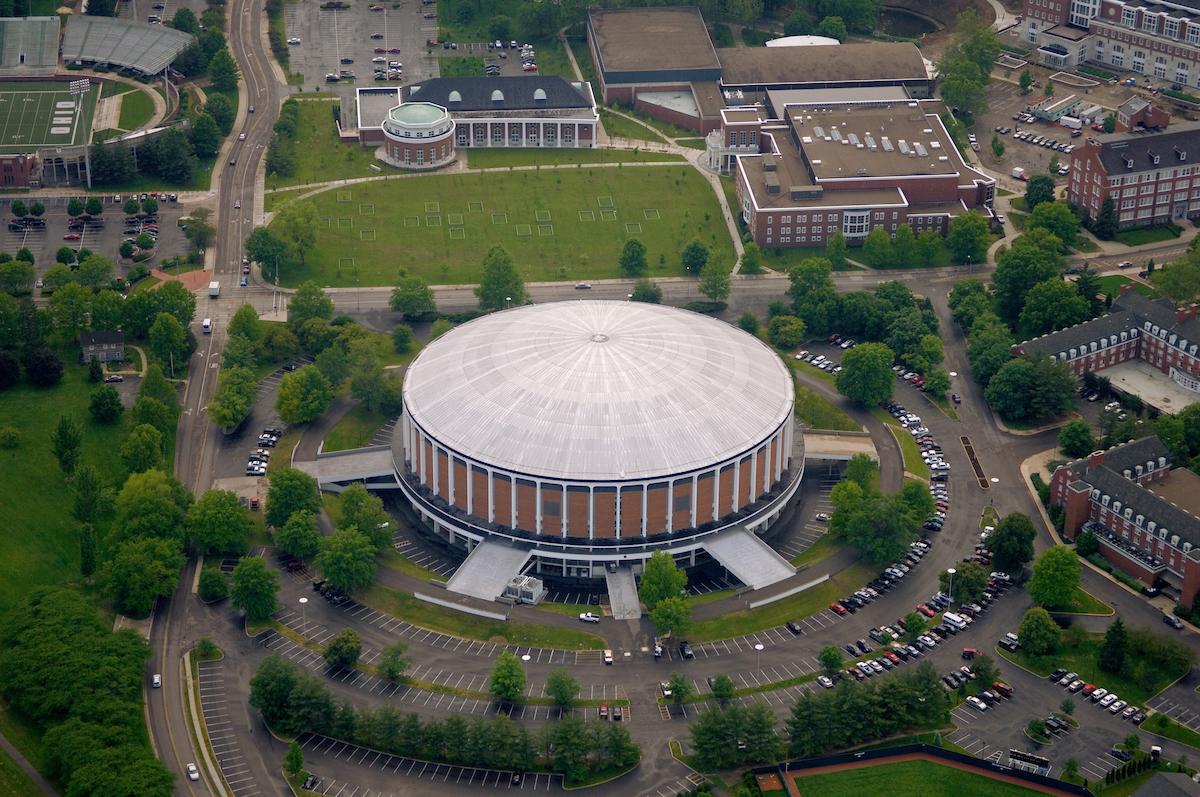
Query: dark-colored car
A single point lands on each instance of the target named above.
(794, 627)
(685, 650)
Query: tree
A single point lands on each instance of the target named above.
(968, 238)
(254, 588)
(646, 291)
(561, 688)
(786, 331)
(937, 382)
(661, 579)
(105, 405)
(1067, 706)
(43, 368)
(751, 259)
(694, 258)
(997, 146)
(830, 658)
(299, 536)
(507, 683)
(1076, 440)
(681, 688)
(877, 248)
(393, 663)
(233, 398)
(501, 285)
(723, 689)
(74, 207)
(1038, 632)
(1050, 306)
(364, 511)
(814, 298)
(1104, 226)
(152, 504)
(1028, 389)
(1058, 219)
(107, 311)
(205, 136)
(633, 258)
(87, 550)
(1132, 742)
(715, 281)
(291, 491)
(1039, 189)
(69, 307)
(672, 616)
(748, 322)
(303, 396)
(217, 523)
(833, 27)
(344, 649)
(91, 496)
(412, 297)
(10, 370)
(1055, 578)
(347, 560)
(967, 584)
(1114, 649)
(914, 625)
(17, 276)
(402, 338)
(168, 340)
(223, 71)
(293, 762)
(1025, 81)
(308, 302)
(154, 412)
(213, 585)
(65, 442)
(1011, 543)
(866, 377)
(142, 571)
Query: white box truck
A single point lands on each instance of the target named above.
(1018, 173)
(1071, 122)
(214, 289)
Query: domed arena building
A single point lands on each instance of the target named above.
(571, 440)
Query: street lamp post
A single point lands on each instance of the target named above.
(303, 614)
(950, 588)
(759, 649)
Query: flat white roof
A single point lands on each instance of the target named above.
(598, 390)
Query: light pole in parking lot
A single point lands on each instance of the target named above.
(303, 614)
(950, 588)
(758, 647)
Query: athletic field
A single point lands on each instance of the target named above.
(34, 115)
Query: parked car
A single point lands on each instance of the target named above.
(589, 617)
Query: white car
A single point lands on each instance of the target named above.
(1108, 700)
(977, 703)
(241, 136)
(156, 680)
(192, 772)
(825, 681)
(293, 40)
(589, 617)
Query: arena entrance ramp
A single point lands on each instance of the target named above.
(488, 569)
(622, 593)
(751, 560)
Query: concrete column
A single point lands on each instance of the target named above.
(537, 511)
(645, 507)
(450, 477)
(512, 496)
(716, 504)
(694, 509)
(753, 475)
(491, 497)
(562, 509)
(670, 505)
(591, 513)
(737, 485)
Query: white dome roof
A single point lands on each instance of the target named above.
(598, 390)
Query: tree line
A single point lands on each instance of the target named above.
(294, 702)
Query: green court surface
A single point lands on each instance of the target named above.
(45, 114)
(557, 225)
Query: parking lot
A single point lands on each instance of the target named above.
(328, 37)
(219, 722)
(804, 529)
(45, 242)
(319, 749)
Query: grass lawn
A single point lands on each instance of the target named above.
(1085, 603)
(460, 66)
(392, 560)
(13, 781)
(583, 57)
(273, 199)
(136, 109)
(324, 156)
(907, 777)
(618, 126)
(557, 225)
(500, 158)
(819, 551)
(667, 129)
(818, 412)
(355, 429)
(1165, 726)
(691, 143)
(802, 604)
(1111, 286)
(710, 597)
(41, 544)
(468, 626)
(111, 88)
(908, 446)
(1148, 235)
(1082, 658)
(1085, 244)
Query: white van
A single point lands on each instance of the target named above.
(207, 326)
(954, 620)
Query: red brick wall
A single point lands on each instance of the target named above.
(577, 513)
(681, 518)
(526, 507)
(725, 505)
(552, 494)
(704, 499)
(604, 509)
(460, 484)
(667, 115)
(656, 510)
(1191, 583)
(631, 512)
(502, 498)
(443, 471)
(479, 493)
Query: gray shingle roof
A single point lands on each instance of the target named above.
(1141, 147)
(1129, 312)
(100, 338)
(518, 92)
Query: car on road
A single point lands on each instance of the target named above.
(192, 772)
(113, 379)
(243, 282)
(237, 205)
(241, 136)
(156, 680)
(1173, 621)
(608, 657)
(293, 40)
(589, 617)
(583, 286)
(822, 517)
(1125, 264)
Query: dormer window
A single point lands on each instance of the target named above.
(454, 97)
(497, 96)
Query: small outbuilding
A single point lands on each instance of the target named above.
(106, 347)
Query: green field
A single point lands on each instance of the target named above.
(324, 156)
(502, 158)
(354, 430)
(27, 116)
(618, 126)
(907, 777)
(136, 109)
(1148, 235)
(13, 781)
(557, 225)
(1111, 286)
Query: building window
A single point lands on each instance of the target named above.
(1193, 34)
(856, 224)
(1150, 22)
(1171, 28)
(1128, 17)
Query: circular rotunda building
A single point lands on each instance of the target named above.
(596, 432)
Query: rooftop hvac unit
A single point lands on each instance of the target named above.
(887, 144)
(935, 145)
(920, 148)
(871, 145)
(820, 131)
(904, 150)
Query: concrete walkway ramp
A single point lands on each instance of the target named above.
(486, 572)
(751, 560)
(622, 593)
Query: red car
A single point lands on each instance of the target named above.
(72, 236)
(837, 608)
(895, 659)
(381, 49)
(394, 50)
(925, 610)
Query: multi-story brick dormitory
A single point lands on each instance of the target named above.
(1152, 331)
(1153, 178)
(1143, 512)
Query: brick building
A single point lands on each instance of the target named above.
(1150, 37)
(821, 169)
(1137, 113)
(1154, 178)
(1142, 512)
